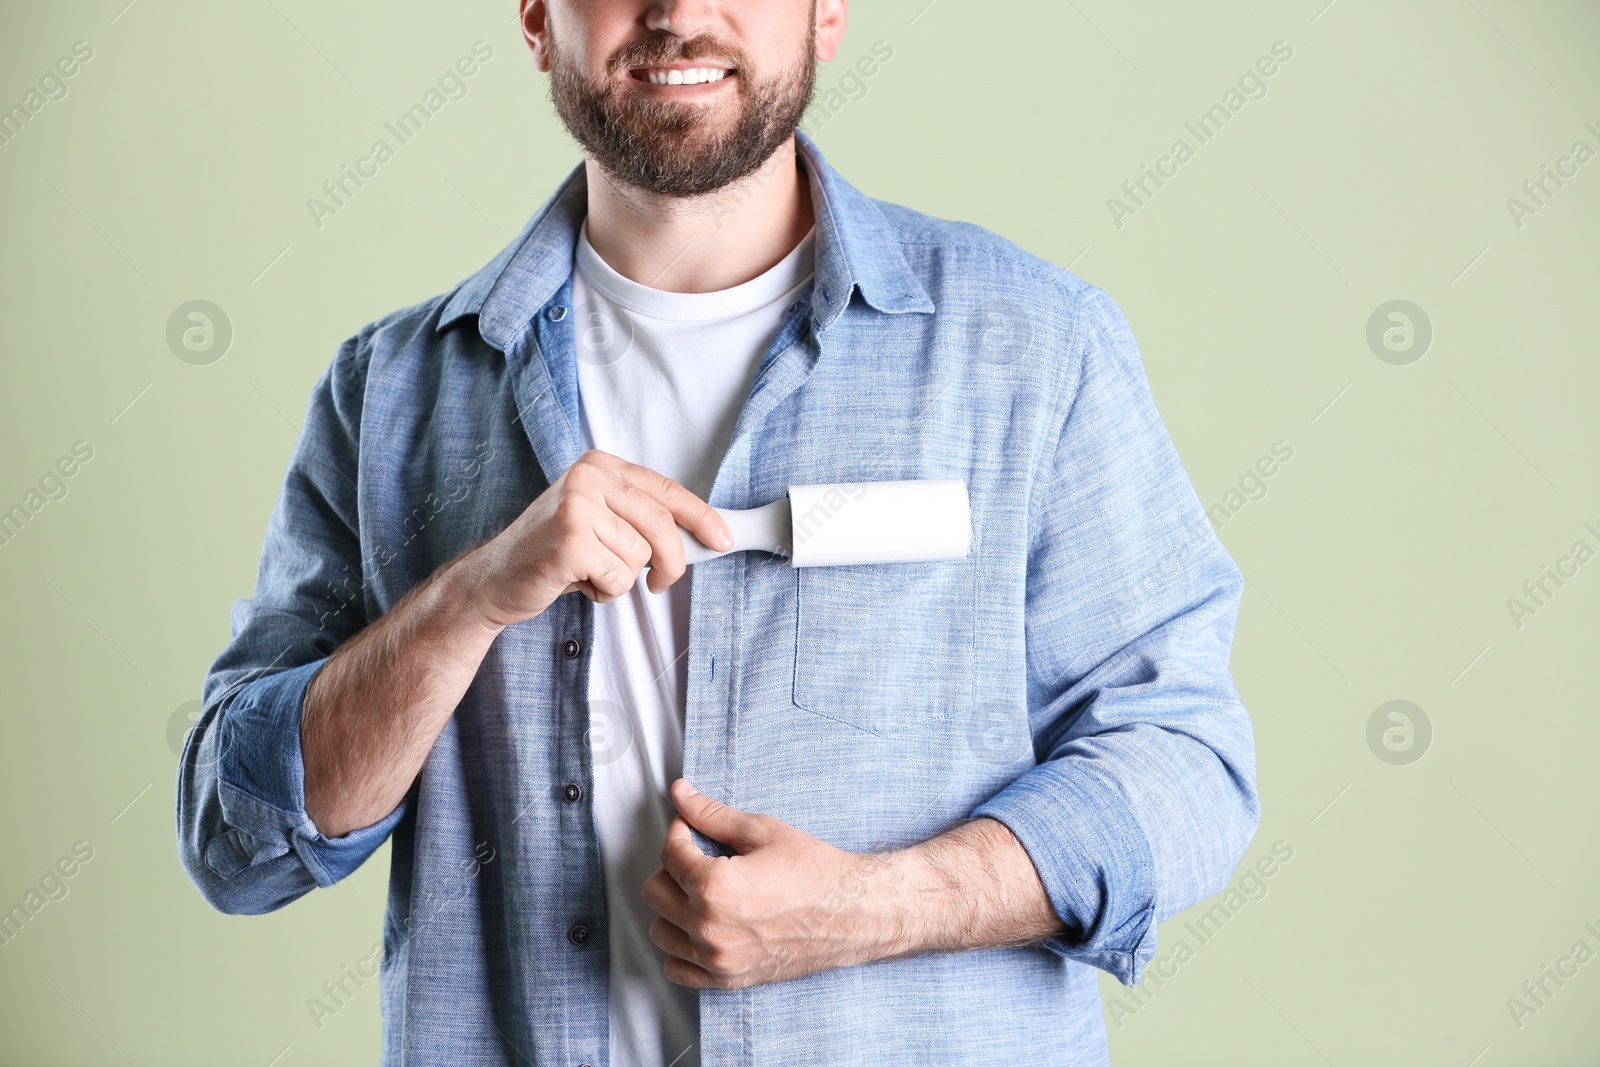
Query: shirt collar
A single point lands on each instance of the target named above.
(856, 249)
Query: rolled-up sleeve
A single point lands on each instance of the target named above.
(1143, 798)
(243, 833)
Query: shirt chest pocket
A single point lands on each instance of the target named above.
(885, 647)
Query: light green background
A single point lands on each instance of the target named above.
(1419, 898)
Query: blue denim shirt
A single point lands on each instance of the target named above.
(1068, 678)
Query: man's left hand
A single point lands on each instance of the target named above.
(788, 904)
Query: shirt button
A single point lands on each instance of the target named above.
(578, 935)
(555, 312)
(570, 648)
(573, 792)
(796, 306)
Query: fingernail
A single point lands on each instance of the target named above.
(725, 540)
(692, 791)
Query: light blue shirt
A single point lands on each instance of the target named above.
(1068, 678)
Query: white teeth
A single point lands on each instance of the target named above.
(693, 76)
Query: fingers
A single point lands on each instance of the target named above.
(687, 959)
(681, 971)
(681, 857)
(687, 510)
(667, 898)
(649, 519)
(610, 570)
(721, 822)
(641, 511)
(620, 537)
(671, 938)
(668, 506)
(669, 931)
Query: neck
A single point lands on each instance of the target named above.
(705, 243)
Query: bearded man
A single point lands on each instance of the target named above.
(744, 812)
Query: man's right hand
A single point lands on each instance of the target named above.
(593, 530)
(372, 713)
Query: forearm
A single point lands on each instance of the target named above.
(373, 711)
(972, 887)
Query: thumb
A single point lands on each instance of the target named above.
(717, 820)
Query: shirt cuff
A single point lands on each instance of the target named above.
(1093, 858)
(261, 781)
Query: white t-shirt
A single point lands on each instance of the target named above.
(661, 379)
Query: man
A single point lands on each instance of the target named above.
(932, 798)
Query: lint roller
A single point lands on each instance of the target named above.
(852, 522)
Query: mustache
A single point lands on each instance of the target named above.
(662, 48)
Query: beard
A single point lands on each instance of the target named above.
(680, 149)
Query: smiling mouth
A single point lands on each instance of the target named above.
(680, 75)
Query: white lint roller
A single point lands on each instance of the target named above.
(852, 522)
